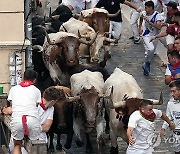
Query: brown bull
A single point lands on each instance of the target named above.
(62, 120)
(60, 53)
(124, 99)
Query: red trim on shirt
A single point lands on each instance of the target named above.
(42, 105)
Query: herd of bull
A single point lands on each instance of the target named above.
(60, 44)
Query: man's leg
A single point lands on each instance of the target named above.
(117, 29)
(134, 26)
(17, 146)
(149, 47)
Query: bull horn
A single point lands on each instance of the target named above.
(55, 17)
(119, 104)
(112, 40)
(50, 12)
(73, 99)
(114, 15)
(38, 47)
(158, 102)
(64, 28)
(48, 39)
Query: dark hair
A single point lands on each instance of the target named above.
(30, 74)
(175, 83)
(150, 4)
(174, 53)
(52, 93)
(145, 102)
(177, 14)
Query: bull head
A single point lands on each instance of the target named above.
(90, 105)
(124, 102)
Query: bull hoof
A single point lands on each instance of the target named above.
(114, 150)
(59, 147)
(79, 143)
(67, 146)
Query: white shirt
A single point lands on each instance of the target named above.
(44, 115)
(173, 113)
(79, 5)
(168, 72)
(24, 100)
(146, 25)
(143, 129)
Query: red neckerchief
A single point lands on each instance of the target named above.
(175, 66)
(151, 117)
(42, 105)
(26, 83)
(172, 12)
(25, 126)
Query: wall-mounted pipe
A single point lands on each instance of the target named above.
(28, 32)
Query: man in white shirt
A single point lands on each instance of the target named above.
(173, 112)
(24, 99)
(150, 24)
(141, 128)
(173, 68)
(45, 112)
(76, 6)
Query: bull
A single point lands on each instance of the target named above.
(97, 18)
(60, 53)
(62, 121)
(82, 29)
(124, 100)
(88, 86)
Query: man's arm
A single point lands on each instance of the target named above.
(165, 118)
(129, 135)
(130, 4)
(47, 125)
(157, 25)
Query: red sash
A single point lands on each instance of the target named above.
(26, 83)
(151, 117)
(25, 126)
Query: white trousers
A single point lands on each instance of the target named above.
(149, 47)
(139, 151)
(115, 29)
(134, 16)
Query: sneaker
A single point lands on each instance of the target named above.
(145, 54)
(131, 38)
(146, 68)
(137, 41)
